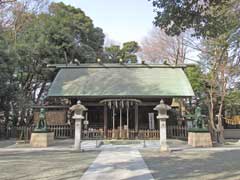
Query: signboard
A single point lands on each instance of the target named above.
(85, 122)
(151, 121)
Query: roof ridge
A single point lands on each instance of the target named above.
(96, 65)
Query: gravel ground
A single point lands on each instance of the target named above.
(191, 165)
(42, 165)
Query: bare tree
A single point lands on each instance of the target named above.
(221, 72)
(158, 47)
(13, 13)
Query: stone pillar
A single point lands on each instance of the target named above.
(163, 135)
(162, 117)
(78, 134)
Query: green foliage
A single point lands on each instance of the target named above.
(232, 98)
(59, 34)
(196, 79)
(127, 53)
(67, 34)
(7, 68)
(206, 18)
(113, 54)
(130, 47)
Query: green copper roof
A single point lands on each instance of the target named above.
(112, 81)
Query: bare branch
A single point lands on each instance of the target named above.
(6, 1)
(159, 47)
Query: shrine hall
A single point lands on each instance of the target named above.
(119, 97)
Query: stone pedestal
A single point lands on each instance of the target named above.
(78, 134)
(163, 135)
(200, 139)
(42, 139)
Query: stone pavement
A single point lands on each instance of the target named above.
(45, 165)
(7, 143)
(193, 165)
(59, 145)
(122, 163)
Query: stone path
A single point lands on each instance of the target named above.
(118, 164)
(59, 145)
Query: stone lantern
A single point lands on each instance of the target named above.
(162, 117)
(78, 116)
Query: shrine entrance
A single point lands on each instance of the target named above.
(124, 116)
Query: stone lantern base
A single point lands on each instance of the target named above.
(200, 139)
(42, 139)
(164, 148)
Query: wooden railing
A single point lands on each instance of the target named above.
(172, 132)
(149, 134)
(66, 131)
(62, 131)
(177, 132)
(24, 132)
(7, 132)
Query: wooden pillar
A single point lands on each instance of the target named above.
(136, 117)
(105, 121)
(128, 122)
(120, 123)
(113, 117)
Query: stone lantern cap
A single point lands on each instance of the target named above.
(78, 110)
(162, 110)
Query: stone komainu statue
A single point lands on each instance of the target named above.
(42, 124)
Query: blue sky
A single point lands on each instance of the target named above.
(121, 20)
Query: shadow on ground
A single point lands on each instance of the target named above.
(45, 165)
(207, 165)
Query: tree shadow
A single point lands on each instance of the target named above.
(45, 165)
(207, 165)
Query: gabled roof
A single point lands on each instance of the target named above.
(120, 81)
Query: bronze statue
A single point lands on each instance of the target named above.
(42, 124)
(198, 121)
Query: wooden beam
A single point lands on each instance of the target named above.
(113, 117)
(136, 117)
(128, 122)
(105, 121)
(120, 123)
